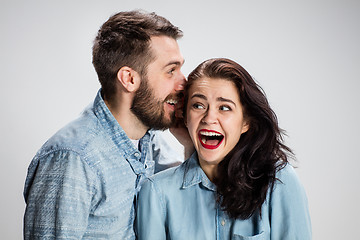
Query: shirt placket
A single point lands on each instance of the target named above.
(222, 224)
(218, 228)
(146, 156)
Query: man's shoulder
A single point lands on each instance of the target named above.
(76, 136)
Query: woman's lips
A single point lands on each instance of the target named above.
(210, 139)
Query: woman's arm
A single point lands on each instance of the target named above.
(289, 212)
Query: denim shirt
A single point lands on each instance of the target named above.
(179, 203)
(82, 183)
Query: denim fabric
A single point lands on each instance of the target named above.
(179, 203)
(82, 183)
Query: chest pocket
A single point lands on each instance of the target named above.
(260, 236)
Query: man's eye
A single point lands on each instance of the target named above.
(172, 71)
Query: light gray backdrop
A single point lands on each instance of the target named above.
(305, 54)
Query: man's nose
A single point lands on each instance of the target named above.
(181, 81)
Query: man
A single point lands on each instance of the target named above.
(83, 182)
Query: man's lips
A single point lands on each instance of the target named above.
(171, 103)
(210, 139)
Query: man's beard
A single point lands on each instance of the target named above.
(149, 109)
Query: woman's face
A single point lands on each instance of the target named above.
(214, 118)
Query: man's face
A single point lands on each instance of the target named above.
(155, 100)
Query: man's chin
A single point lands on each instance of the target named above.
(171, 120)
(161, 127)
(166, 123)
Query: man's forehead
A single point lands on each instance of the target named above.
(166, 50)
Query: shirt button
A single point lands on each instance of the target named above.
(222, 222)
(137, 154)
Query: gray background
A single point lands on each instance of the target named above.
(305, 54)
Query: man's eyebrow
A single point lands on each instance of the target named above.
(221, 99)
(178, 63)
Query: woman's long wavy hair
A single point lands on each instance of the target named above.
(248, 172)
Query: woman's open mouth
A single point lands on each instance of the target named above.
(210, 139)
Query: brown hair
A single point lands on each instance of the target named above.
(123, 40)
(247, 173)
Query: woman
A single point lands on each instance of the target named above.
(238, 184)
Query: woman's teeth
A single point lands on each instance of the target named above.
(210, 138)
(205, 133)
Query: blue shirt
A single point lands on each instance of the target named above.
(179, 203)
(82, 183)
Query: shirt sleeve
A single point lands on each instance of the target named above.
(167, 151)
(58, 192)
(151, 216)
(289, 213)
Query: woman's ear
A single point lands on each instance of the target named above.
(128, 78)
(245, 127)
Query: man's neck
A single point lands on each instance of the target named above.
(131, 125)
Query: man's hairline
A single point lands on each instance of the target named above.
(153, 56)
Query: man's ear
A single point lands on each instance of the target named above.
(128, 78)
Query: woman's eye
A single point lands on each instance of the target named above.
(197, 106)
(225, 108)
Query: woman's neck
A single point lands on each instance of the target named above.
(209, 169)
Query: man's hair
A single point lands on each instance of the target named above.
(124, 40)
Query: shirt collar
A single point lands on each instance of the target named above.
(118, 135)
(195, 175)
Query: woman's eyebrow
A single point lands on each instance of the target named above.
(221, 99)
(197, 95)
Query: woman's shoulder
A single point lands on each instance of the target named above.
(287, 174)
(287, 181)
(288, 204)
(169, 177)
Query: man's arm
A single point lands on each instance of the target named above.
(167, 152)
(180, 131)
(58, 193)
(183, 137)
(171, 147)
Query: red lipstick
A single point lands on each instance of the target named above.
(210, 139)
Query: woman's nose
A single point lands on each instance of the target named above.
(210, 117)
